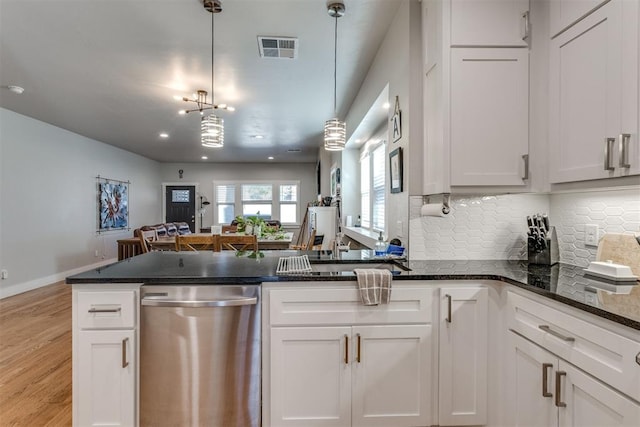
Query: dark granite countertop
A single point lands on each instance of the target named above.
(562, 282)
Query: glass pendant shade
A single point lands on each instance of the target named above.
(212, 131)
(335, 132)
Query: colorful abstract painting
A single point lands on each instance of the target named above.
(114, 205)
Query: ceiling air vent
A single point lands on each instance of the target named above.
(278, 47)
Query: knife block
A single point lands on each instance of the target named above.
(549, 255)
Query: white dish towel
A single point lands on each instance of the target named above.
(374, 285)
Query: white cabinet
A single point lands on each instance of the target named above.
(476, 95)
(331, 361)
(593, 87)
(489, 23)
(105, 393)
(105, 348)
(565, 13)
(463, 360)
(489, 116)
(549, 391)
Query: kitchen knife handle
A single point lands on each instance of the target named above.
(545, 379)
(625, 138)
(559, 402)
(608, 153)
(525, 159)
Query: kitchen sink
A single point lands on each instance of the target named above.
(349, 267)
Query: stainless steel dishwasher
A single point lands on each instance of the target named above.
(200, 355)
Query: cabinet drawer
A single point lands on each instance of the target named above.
(106, 310)
(343, 306)
(600, 352)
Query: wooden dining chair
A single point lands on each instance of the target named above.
(147, 237)
(238, 242)
(309, 243)
(195, 242)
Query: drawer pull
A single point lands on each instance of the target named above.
(608, 154)
(448, 319)
(546, 328)
(104, 310)
(638, 358)
(559, 402)
(125, 362)
(545, 379)
(358, 353)
(624, 150)
(346, 349)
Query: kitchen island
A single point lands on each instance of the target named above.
(449, 324)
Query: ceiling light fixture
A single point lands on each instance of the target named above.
(211, 126)
(335, 130)
(15, 89)
(270, 157)
(164, 135)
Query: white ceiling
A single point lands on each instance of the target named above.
(109, 69)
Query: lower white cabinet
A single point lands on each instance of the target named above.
(546, 390)
(106, 378)
(463, 351)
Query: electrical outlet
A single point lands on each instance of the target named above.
(4, 274)
(591, 235)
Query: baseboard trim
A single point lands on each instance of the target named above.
(20, 288)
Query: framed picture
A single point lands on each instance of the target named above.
(113, 204)
(334, 181)
(395, 167)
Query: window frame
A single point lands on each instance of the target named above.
(367, 152)
(274, 203)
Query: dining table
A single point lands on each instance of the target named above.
(130, 247)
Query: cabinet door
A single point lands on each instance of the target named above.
(463, 356)
(489, 116)
(488, 22)
(310, 376)
(391, 375)
(591, 403)
(106, 379)
(530, 384)
(585, 87)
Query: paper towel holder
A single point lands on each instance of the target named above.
(446, 200)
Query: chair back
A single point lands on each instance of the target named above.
(309, 243)
(238, 242)
(197, 242)
(147, 237)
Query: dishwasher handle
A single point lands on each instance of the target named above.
(228, 302)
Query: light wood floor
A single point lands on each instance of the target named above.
(35, 357)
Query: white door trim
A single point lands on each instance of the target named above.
(195, 207)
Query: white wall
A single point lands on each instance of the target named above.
(205, 173)
(49, 200)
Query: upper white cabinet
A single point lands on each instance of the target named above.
(593, 89)
(489, 23)
(489, 116)
(476, 94)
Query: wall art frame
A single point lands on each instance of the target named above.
(112, 204)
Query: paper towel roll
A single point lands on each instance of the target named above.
(432, 209)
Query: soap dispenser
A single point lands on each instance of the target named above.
(381, 246)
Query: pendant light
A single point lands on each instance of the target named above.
(211, 126)
(335, 130)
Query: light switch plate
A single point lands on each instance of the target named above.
(591, 235)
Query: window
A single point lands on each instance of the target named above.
(268, 200)
(372, 187)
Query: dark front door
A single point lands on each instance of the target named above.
(180, 203)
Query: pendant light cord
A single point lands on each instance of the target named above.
(212, 43)
(335, 67)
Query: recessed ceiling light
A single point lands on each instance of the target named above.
(164, 135)
(182, 112)
(270, 157)
(15, 89)
(204, 157)
(386, 105)
(257, 136)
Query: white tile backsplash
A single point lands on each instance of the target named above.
(494, 227)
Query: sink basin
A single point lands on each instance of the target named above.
(349, 267)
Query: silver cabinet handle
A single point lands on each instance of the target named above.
(608, 153)
(346, 349)
(545, 379)
(104, 310)
(638, 358)
(525, 159)
(125, 362)
(559, 402)
(448, 319)
(196, 304)
(625, 138)
(548, 329)
(527, 28)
